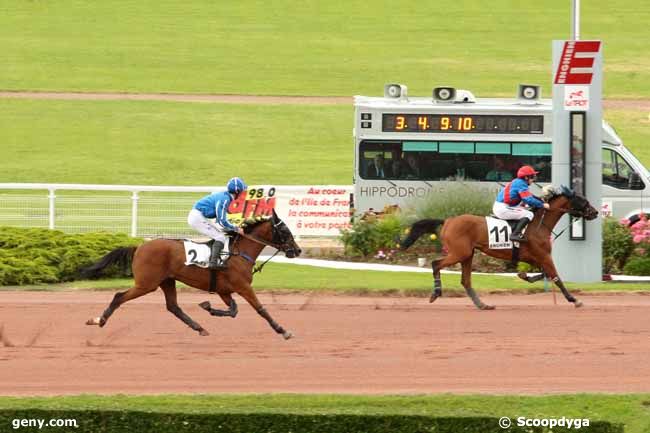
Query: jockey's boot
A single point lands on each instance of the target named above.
(215, 257)
(516, 235)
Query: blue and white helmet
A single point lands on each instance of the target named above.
(236, 185)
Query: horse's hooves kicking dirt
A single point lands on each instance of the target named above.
(287, 335)
(93, 321)
(577, 304)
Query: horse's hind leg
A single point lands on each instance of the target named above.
(169, 289)
(228, 300)
(437, 282)
(466, 281)
(549, 269)
(437, 265)
(119, 299)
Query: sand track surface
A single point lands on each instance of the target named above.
(361, 345)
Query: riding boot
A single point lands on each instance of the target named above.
(215, 257)
(516, 235)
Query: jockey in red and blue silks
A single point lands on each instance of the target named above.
(215, 206)
(509, 200)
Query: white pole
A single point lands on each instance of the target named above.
(575, 28)
(51, 198)
(134, 214)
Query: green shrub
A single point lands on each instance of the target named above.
(456, 199)
(37, 256)
(617, 245)
(122, 422)
(637, 266)
(367, 236)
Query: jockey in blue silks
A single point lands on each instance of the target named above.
(509, 200)
(215, 206)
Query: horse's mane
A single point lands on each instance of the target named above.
(551, 192)
(249, 226)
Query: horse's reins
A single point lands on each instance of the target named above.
(541, 222)
(258, 268)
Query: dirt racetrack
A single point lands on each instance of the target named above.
(342, 345)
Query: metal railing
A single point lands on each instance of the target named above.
(139, 210)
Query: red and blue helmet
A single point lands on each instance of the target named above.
(527, 171)
(236, 185)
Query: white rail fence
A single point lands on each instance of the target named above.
(159, 211)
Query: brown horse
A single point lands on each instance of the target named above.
(463, 234)
(161, 262)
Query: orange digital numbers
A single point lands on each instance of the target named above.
(465, 124)
(423, 123)
(400, 123)
(445, 123)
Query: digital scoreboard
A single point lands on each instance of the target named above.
(463, 123)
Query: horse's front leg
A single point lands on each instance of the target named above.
(228, 300)
(549, 269)
(466, 281)
(248, 294)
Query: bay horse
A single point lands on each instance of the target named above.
(462, 235)
(161, 262)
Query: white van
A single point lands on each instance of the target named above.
(405, 147)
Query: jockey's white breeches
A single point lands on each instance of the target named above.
(506, 212)
(205, 226)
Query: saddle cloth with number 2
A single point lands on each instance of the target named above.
(198, 254)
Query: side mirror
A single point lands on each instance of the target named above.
(635, 181)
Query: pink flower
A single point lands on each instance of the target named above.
(624, 221)
(637, 239)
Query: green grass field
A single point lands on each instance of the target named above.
(175, 143)
(311, 47)
(172, 143)
(288, 277)
(631, 410)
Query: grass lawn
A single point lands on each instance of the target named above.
(175, 143)
(311, 47)
(632, 410)
(172, 143)
(287, 277)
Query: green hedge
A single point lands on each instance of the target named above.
(127, 422)
(35, 256)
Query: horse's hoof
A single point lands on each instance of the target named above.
(205, 305)
(433, 297)
(577, 304)
(287, 335)
(93, 321)
(523, 276)
(203, 333)
(487, 307)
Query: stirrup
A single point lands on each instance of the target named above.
(518, 238)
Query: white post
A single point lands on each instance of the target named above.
(51, 198)
(575, 23)
(134, 214)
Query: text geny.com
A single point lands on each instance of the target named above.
(41, 423)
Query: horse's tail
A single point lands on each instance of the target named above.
(418, 229)
(121, 257)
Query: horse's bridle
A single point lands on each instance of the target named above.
(576, 213)
(278, 244)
